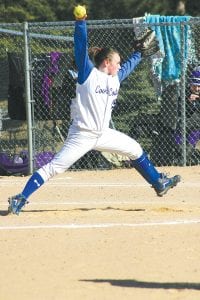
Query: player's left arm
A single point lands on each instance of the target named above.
(129, 66)
(144, 46)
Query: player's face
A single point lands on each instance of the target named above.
(114, 64)
(195, 89)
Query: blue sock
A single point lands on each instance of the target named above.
(145, 167)
(34, 182)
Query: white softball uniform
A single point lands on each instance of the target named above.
(96, 93)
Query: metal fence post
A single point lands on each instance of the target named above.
(183, 95)
(28, 97)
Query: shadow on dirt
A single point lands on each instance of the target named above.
(4, 213)
(147, 284)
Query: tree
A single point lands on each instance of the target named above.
(26, 10)
(62, 10)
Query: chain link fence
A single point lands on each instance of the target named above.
(38, 78)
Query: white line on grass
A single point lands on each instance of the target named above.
(101, 225)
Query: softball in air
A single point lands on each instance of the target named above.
(79, 11)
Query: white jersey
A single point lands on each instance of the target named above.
(92, 107)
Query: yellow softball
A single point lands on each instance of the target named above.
(80, 11)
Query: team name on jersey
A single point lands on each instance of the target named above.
(108, 91)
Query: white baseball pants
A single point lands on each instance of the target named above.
(79, 142)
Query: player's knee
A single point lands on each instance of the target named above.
(137, 152)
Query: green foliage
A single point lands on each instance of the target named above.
(39, 10)
(13, 14)
(60, 10)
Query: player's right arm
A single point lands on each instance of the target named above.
(83, 63)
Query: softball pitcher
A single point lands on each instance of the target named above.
(97, 89)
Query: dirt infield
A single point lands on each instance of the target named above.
(102, 235)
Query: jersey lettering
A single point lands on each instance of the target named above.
(108, 91)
